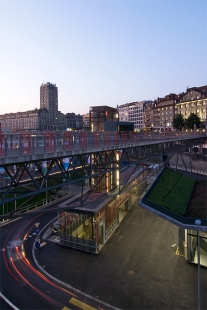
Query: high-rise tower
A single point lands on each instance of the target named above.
(49, 101)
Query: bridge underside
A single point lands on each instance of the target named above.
(99, 171)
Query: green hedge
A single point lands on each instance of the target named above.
(172, 191)
(163, 186)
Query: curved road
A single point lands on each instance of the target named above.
(22, 283)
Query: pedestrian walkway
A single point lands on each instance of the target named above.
(197, 166)
(197, 171)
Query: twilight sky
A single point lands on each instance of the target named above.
(100, 52)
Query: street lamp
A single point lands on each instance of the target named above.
(198, 223)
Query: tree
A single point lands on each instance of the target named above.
(193, 121)
(178, 121)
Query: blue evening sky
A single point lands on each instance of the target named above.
(100, 52)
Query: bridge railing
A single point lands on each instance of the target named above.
(27, 143)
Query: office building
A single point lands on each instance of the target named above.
(49, 101)
(133, 112)
(99, 114)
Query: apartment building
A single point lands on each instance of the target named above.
(29, 120)
(194, 100)
(147, 114)
(163, 112)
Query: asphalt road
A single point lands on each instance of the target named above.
(21, 282)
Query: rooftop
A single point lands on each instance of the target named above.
(95, 201)
(173, 197)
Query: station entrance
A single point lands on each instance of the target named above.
(88, 228)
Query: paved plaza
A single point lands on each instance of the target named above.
(137, 268)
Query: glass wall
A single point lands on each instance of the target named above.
(88, 231)
(111, 217)
(78, 231)
(192, 244)
(99, 227)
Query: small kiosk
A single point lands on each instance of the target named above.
(87, 227)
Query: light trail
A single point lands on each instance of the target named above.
(37, 272)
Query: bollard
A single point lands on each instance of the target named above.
(37, 243)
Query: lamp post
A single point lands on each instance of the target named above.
(198, 223)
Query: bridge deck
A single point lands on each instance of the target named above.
(28, 147)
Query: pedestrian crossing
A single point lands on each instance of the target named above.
(79, 304)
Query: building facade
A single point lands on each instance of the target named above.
(29, 120)
(163, 112)
(74, 121)
(46, 118)
(157, 114)
(133, 112)
(86, 122)
(49, 101)
(99, 114)
(147, 114)
(194, 100)
(123, 111)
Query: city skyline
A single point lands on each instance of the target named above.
(100, 52)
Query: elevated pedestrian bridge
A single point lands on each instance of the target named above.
(30, 147)
(46, 163)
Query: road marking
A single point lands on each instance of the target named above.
(8, 302)
(42, 244)
(80, 304)
(54, 239)
(173, 245)
(65, 308)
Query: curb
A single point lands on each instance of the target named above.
(63, 283)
